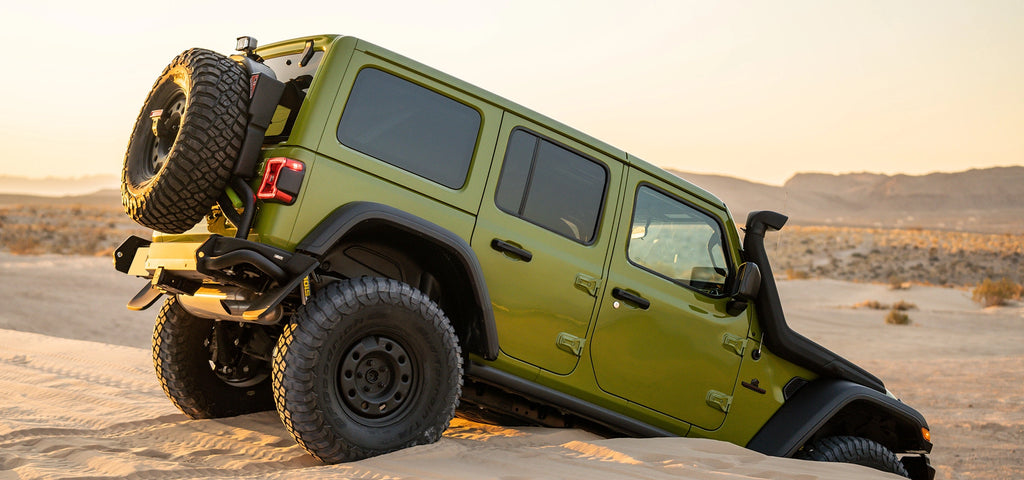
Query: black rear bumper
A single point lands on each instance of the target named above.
(270, 274)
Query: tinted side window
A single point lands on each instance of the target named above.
(410, 127)
(677, 241)
(551, 186)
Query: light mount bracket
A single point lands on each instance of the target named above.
(247, 45)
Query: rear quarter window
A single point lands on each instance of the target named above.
(411, 127)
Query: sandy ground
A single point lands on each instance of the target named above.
(88, 405)
(960, 365)
(72, 297)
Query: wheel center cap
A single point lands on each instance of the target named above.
(375, 377)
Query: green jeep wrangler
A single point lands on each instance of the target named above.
(372, 247)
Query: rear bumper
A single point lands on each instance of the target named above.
(218, 277)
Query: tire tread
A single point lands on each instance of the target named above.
(302, 340)
(201, 160)
(856, 450)
(186, 379)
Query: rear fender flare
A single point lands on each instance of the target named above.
(344, 219)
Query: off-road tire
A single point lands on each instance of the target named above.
(181, 356)
(857, 450)
(179, 162)
(350, 333)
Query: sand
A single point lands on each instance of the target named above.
(71, 297)
(88, 405)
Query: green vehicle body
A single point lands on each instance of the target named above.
(565, 320)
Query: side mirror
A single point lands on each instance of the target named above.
(748, 284)
(748, 281)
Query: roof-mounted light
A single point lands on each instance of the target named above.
(245, 44)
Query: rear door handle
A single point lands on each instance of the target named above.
(632, 298)
(505, 247)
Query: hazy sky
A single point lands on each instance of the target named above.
(758, 89)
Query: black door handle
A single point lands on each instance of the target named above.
(641, 302)
(505, 247)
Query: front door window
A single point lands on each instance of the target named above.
(676, 241)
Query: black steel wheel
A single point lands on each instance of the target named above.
(367, 367)
(202, 381)
(185, 141)
(857, 450)
(166, 125)
(376, 378)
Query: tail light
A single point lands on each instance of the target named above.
(282, 179)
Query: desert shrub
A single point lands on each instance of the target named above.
(991, 293)
(903, 306)
(943, 255)
(896, 317)
(897, 282)
(872, 304)
(21, 245)
(76, 230)
(793, 274)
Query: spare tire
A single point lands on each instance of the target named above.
(186, 141)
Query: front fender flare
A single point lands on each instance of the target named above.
(815, 404)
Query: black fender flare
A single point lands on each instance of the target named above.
(813, 405)
(346, 217)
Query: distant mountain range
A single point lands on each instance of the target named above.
(57, 186)
(101, 198)
(980, 200)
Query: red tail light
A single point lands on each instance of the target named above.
(282, 179)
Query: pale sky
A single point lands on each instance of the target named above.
(758, 90)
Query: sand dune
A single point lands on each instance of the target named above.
(71, 408)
